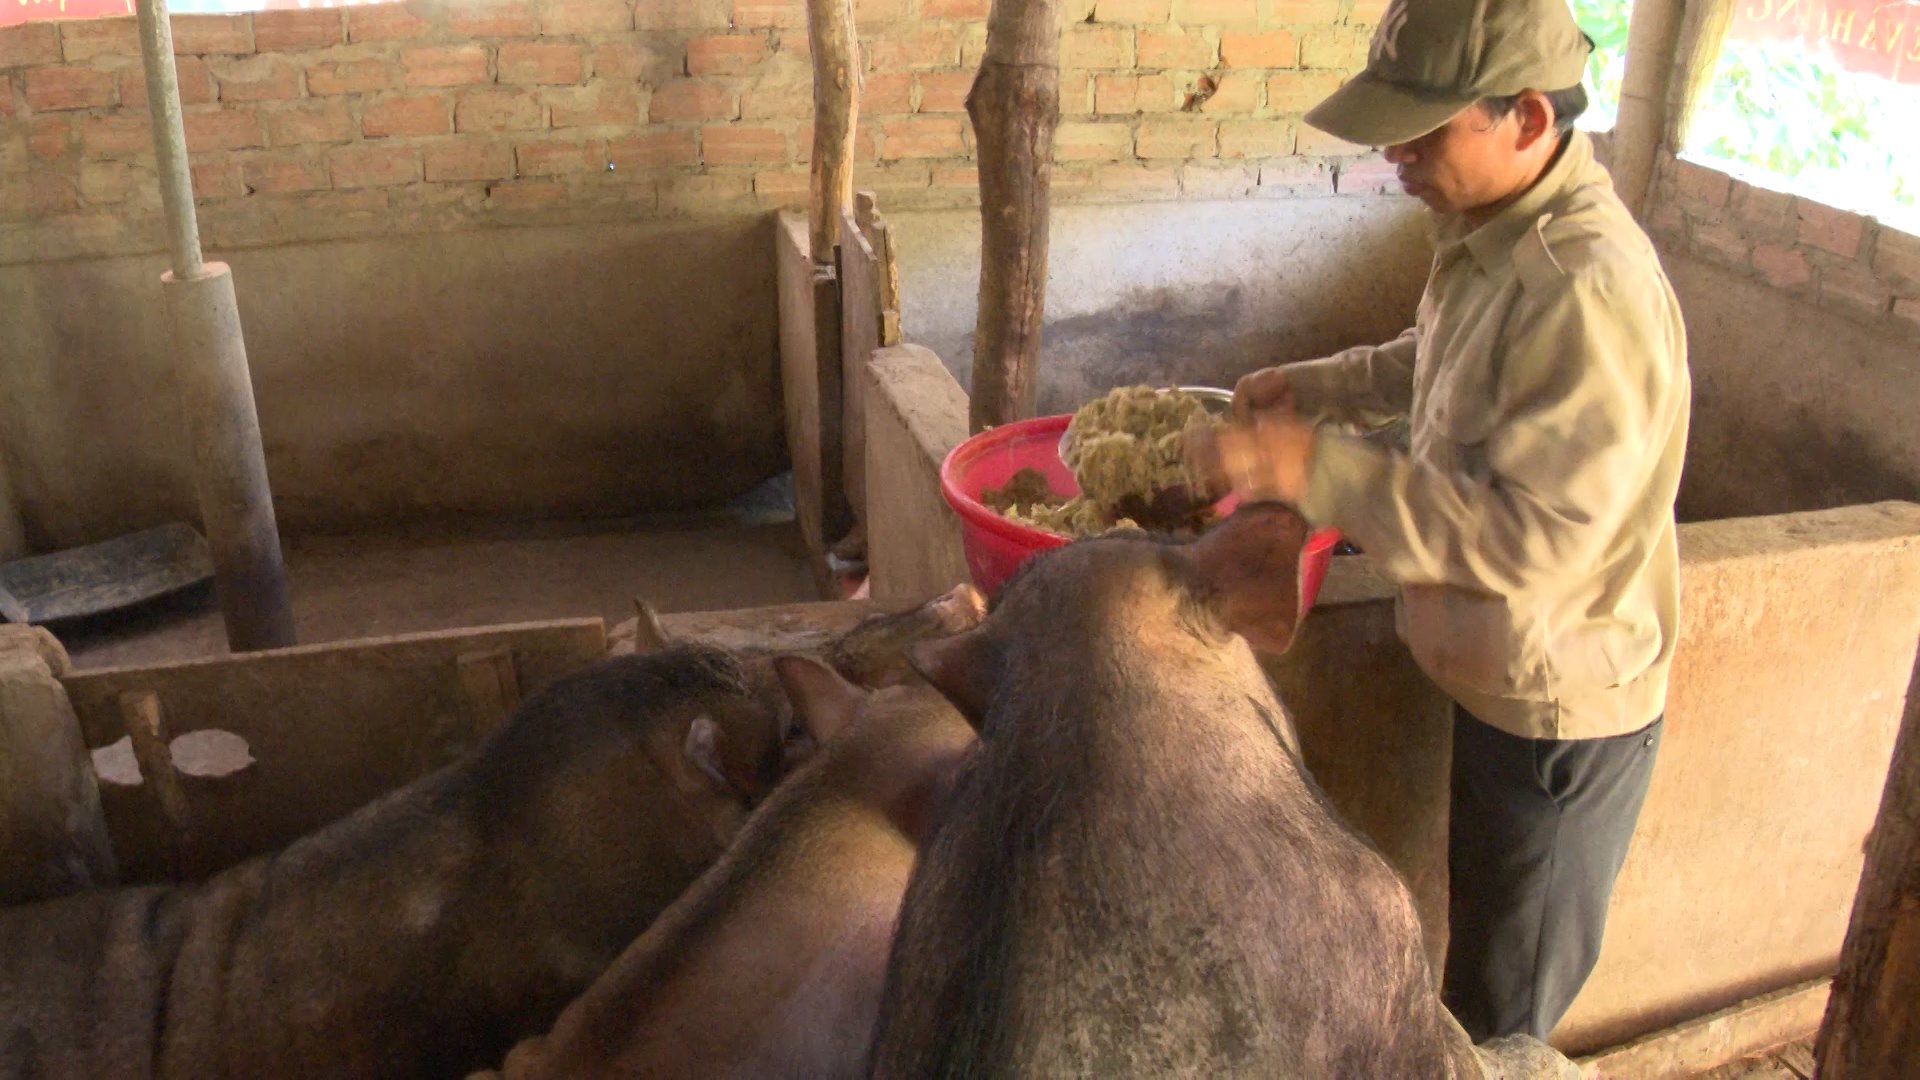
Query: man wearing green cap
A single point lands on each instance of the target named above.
(1530, 520)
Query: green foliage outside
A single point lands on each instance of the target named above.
(1784, 118)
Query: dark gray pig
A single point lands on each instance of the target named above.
(1135, 876)
(771, 965)
(425, 933)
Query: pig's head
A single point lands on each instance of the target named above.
(1118, 598)
(897, 748)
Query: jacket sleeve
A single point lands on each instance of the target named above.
(1585, 384)
(1368, 386)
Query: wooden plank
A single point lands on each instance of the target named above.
(1746, 1029)
(331, 727)
(492, 687)
(859, 337)
(800, 389)
(880, 238)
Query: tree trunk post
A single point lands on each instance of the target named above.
(1015, 107)
(836, 115)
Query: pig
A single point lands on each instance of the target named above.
(425, 933)
(1135, 875)
(771, 965)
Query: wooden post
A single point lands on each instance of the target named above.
(1015, 106)
(1872, 1027)
(1702, 33)
(836, 114)
(1645, 94)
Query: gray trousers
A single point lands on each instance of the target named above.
(1539, 830)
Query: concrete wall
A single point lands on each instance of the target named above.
(500, 372)
(1803, 328)
(916, 413)
(1799, 634)
(1178, 291)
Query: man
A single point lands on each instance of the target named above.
(1530, 521)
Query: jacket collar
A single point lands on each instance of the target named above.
(1491, 245)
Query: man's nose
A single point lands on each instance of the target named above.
(1399, 153)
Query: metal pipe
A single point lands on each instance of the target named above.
(169, 139)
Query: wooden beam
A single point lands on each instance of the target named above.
(836, 115)
(1015, 107)
(1872, 1027)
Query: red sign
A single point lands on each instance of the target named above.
(14, 12)
(1874, 37)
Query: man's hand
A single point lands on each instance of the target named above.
(1266, 390)
(1264, 460)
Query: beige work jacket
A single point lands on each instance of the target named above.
(1531, 522)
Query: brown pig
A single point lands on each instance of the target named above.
(425, 933)
(771, 965)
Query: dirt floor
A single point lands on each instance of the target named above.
(369, 586)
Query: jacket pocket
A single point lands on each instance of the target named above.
(1473, 640)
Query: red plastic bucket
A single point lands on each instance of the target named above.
(995, 546)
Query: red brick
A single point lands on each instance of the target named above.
(1175, 137)
(783, 103)
(84, 39)
(1765, 212)
(50, 136)
(525, 194)
(729, 144)
(921, 137)
(1848, 288)
(956, 178)
(222, 129)
(1699, 184)
(1309, 12)
(1267, 49)
(1216, 12)
(320, 122)
(1782, 267)
(445, 65)
(1234, 93)
(217, 179)
(726, 54)
(1139, 12)
(1217, 180)
(492, 19)
(1097, 47)
(406, 116)
(43, 193)
(273, 174)
(1292, 178)
(1312, 142)
(560, 158)
(1121, 94)
(1093, 142)
(541, 65)
(1338, 49)
(195, 79)
(206, 35)
(1828, 229)
(290, 31)
(624, 60)
(105, 182)
(1896, 258)
(603, 105)
(373, 166)
(915, 48)
(256, 78)
(561, 18)
(863, 145)
(868, 13)
(692, 99)
(759, 14)
(8, 110)
(1166, 48)
(1907, 310)
(885, 92)
(1137, 181)
(498, 110)
(467, 159)
(1368, 12)
(705, 193)
(682, 14)
(385, 22)
(655, 149)
(29, 43)
(782, 188)
(120, 135)
(955, 9)
(349, 77)
(1371, 176)
(945, 91)
(1298, 91)
(1256, 138)
(1720, 242)
(53, 88)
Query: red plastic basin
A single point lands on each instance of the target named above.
(995, 546)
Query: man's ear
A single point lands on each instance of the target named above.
(1533, 116)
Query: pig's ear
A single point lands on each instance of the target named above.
(963, 668)
(648, 634)
(825, 702)
(1249, 568)
(703, 749)
(962, 608)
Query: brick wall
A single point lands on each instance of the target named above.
(1846, 263)
(446, 114)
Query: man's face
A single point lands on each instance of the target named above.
(1471, 162)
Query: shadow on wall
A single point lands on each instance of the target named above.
(1195, 293)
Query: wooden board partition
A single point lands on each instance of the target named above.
(329, 727)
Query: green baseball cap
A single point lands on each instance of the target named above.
(1432, 58)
